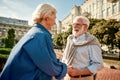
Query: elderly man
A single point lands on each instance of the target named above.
(82, 53)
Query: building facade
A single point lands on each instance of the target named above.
(64, 24)
(107, 9)
(98, 9)
(20, 26)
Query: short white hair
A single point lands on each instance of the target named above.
(83, 19)
(42, 11)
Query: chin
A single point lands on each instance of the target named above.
(74, 33)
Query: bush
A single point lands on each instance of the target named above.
(4, 53)
(3, 59)
(5, 50)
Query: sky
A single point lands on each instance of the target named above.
(23, 9)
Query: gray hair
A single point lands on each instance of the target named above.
(83, 19)
(42, 11)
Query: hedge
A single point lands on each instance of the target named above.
(4, 53)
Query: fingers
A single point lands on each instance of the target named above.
(71, 70)
(70, 67)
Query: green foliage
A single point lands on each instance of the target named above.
(93, 22)
(10, 39)
(64, 36)
(3, 42)
(57, 40)
(5, 50)
(117, 40)
(69, 30)
(4, 56)
(61, 39)
(106, 32)
(4, 53)
(3, 59)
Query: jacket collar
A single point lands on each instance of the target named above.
(42, 28)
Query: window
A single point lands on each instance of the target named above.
(93, 6)
(89, 9)
(103, 14)
(103, 2)
(114, 9)
(108, 11)
(98, 4)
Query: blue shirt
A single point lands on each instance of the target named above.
(33, 58)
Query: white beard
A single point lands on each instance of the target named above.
(77, 34)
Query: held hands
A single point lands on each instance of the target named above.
(72, 71)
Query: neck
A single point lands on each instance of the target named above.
(44, 24)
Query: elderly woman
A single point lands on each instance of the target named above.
(33, 57)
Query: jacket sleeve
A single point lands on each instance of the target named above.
(44, 57)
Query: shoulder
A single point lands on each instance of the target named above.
(70, 37)
(92, 39)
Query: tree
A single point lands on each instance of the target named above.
(98, 30)
(93, 22)
(66, 34)
(10, 39)
(105, 32)
(117, 35)
(61, 39)
(110, 29)
(57, 40)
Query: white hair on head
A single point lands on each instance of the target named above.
(42, 11)
(83, 19)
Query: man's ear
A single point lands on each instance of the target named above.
(85, 27)
(46, 18)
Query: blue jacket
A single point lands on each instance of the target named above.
(33, 58)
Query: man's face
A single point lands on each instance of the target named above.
(51, 21)
(78, 27)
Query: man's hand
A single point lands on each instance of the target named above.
(72, 71)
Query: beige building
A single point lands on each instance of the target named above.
(20, 27)
(107, 9)
(59, 30)
(64, 24)
(54, 30)
(20, 30)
